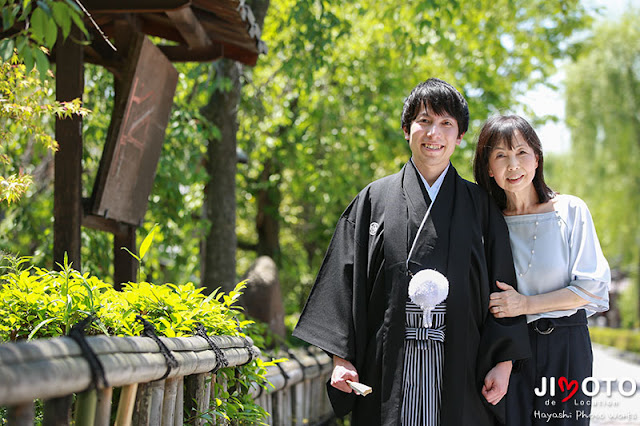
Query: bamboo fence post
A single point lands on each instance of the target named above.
(86, 403)
(206, 396)
(212, 389)
(276, 400)
(103, 409)
(156, 390)
(178, 419)
(299, 403)
(320, 395)
(208, 385)
(21, 415)
(268, 405)
(286, 406)
(260, 400)
(310, 399)
(305, 406)
(57, 411)
(222, 382)
(194, 399)
(270, 408)
(169, 401)
(148, 408)
(126, 405)
(142, 406)
(328, 409)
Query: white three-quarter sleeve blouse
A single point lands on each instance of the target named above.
(560, 249)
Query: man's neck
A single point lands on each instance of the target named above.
(430, 174)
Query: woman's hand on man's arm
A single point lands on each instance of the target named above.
(509, 303)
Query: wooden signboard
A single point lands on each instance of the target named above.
(134, 142)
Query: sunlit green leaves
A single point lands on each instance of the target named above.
(36, 29)
(60, 12)
(26, 109)
(321, 112)
(13, 187)
(603, 100)
(38, 303)
(146, 243)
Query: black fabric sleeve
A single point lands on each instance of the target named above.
(505, 338)
(502, 339)
(327, 318)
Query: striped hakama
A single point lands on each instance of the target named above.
(423, 366)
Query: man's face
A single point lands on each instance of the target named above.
(432, 139)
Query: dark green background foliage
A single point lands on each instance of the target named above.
(319, 118)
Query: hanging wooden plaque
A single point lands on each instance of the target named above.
(134, 142)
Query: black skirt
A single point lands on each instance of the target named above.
(541, 388)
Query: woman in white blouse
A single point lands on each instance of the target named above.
(562, 275)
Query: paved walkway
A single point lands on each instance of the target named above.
(618, 368)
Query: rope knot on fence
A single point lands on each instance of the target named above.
(221, 360)
(98, 379)
(149, 330)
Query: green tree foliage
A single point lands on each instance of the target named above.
(603, 101)
(26, 109)
(319, 119)
(175, 202)
(31, 28)
(321, 114)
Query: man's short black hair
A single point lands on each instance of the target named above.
(440, 97)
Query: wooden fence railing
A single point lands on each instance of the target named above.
(55, 370)
(298, 395)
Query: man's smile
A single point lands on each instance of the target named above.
(433, 147)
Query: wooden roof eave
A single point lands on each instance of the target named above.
(137, 6)
(189, 27)
(204, 30)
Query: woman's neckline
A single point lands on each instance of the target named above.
(548, 207)
(515, 216)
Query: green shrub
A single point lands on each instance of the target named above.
(38, 303)
(623, 339)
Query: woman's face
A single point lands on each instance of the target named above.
(513, 168)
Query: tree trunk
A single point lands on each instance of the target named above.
(267, 220)
(218, 251)
(218, 267)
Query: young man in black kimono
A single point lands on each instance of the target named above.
(356, 309)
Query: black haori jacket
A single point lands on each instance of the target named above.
(356, 309)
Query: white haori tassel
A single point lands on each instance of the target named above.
(427, 288)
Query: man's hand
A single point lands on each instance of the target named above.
(496, 382)
(343, 370)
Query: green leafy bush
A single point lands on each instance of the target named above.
(623, 339)
(38, 303)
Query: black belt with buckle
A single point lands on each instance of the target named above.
(546, 326)
(543, 326)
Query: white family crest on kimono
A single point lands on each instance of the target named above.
(427, 289)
